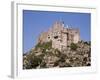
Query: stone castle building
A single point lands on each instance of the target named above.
(60, 35)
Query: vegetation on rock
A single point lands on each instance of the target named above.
(44, 56)
(73, 46)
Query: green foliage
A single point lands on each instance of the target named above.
(38, 57)
(39, 45)
(47, 45)
(85, 42)
(26, 64)
(62, 58)
(88, 43)
(58, 53)
(56, 50)
(44, 46)
(35, 61)
(73, 46)
(61, 61)
(29, 56)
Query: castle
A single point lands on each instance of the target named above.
(60, 35)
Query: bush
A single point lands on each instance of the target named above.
(88, 43)
(46, 45)
(39, 45)
(35, 61)
(57, 53)
(62, 58)
(73, 46)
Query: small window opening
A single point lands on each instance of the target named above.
(55, 37)
(48, 37)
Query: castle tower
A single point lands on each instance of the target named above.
(60, 36)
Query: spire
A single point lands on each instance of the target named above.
(58, 25)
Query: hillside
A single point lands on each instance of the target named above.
(44, 56)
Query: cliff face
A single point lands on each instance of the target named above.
(45, 56)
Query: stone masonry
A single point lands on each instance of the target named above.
(60, 35)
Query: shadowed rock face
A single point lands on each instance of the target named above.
(44, 56)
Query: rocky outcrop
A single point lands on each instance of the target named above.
(44, 56)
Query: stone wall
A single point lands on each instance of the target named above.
(60, 36)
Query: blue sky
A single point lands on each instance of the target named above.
(35, 22)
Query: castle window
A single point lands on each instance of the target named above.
(55, 37)
(48, 37)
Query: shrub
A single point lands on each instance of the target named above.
(39, 45)
(58, 53)
(62, 58)
(73, 46)
(35, 61)
(46, 45)
(88, 43)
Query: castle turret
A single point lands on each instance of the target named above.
(58, 26)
